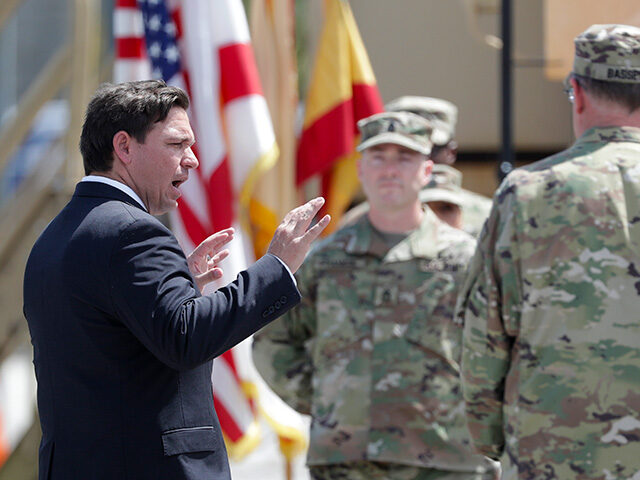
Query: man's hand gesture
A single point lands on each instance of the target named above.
(290, 243)
(293, 237)
(203, 261)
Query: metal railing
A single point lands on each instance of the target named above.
(74, 67)
(72, 72)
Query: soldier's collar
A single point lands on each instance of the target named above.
(610, 134)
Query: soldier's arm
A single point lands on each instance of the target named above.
(489, 306)
(282, 350)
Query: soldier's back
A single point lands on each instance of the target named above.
(574, 403)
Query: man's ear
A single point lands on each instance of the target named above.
(122, 146)
(453, 148)
(579, 97)
(428, 167)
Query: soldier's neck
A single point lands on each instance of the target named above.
(602, 113)
(398, 221)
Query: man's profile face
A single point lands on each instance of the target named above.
(162, 163)
(392, 176)
(449, 213)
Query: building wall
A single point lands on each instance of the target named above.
(436, 48)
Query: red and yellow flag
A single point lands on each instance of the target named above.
(343, 90)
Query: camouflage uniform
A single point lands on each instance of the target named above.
(551, 359)
(389, 471)
(372, 353)
(444, 115)
(475, 210)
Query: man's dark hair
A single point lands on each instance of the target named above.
(625, 94)
(133, 107)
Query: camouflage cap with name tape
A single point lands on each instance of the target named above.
(610, 53)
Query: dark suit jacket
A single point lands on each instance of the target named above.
(123, 343)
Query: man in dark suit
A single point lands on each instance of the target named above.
(123, 338)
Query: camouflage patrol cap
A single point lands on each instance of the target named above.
(400, 128)
(442, 114)
(608, 52)
(445, 186)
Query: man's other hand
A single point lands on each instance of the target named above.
(293, 236)
(203, 261)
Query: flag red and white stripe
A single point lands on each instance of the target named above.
(131, 61)
(17, 401)
(235, 143)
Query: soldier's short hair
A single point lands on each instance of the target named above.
(621, 93)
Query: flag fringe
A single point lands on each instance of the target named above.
(247, 443)
(266, 161)
(292, 441)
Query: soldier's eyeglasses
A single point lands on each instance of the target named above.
(568, 89)
(571, 96)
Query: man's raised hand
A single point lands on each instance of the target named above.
(203, 261)
(293, 237)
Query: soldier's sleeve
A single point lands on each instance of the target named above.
(282, 349)
(489, 306)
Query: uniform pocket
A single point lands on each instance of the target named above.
(189, 440)
(343, 298)
(433, 312)
(432, 329)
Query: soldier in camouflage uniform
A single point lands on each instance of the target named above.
(551, 351)
(372, 354)
(443, 115)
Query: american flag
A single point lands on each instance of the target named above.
(213, 61)
(160, 34)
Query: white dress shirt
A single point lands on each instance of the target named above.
(116, 184)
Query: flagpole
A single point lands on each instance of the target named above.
(507, 155)
(288, 470)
